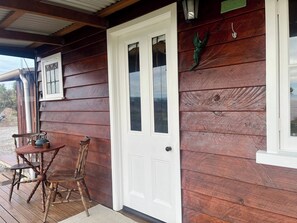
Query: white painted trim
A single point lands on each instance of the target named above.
(168, 12)
(272, 82)
(278, 152)
(283, 159)
(49, 60)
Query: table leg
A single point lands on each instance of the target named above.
(43, 195)
(29, 163)
(33, 191)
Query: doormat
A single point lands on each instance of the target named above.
(99, 214)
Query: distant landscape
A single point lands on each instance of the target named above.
(8, 118)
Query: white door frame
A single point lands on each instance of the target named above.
(168, 12)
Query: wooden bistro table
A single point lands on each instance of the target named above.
(41, 171)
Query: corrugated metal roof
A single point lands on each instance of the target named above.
(38, 24)
(14, 43)
(3, 13)
(86, 5)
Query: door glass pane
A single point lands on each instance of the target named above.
(160, 84)
(293, 65)
(134, 87)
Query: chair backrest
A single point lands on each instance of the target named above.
(25, 139)
(82, 157)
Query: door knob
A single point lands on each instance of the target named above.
(168, 148)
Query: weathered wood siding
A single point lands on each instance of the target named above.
(222, 116)
(84, 111)
(222, 112)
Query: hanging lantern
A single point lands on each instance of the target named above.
(190, 9)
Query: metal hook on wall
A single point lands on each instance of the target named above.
(234, 34)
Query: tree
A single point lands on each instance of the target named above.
(8, 97)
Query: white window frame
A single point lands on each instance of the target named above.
(46, 61)
(281, 147)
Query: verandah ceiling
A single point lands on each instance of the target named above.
(26, 25)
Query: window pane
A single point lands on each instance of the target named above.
(293, 65)
(49, 89)
(134, 87)
(57, 87)
(48, 77)
(53, 87)
(52, 78)
(160, 84)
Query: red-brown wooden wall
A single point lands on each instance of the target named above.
(222, 112)
(222, 116)
(84, 111)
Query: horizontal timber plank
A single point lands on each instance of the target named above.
(85, 41)
(211, 14)
(95, 170)
(102, 198)
(99, 184)
(259, 197)
(241, 75)
(244, 146)
(235, 99)
(91, 104)
(230, 212)
(92, 91)
(94, 48)
(88, 78)
(88, 64)
(240, 169)
(101, 159)
(190, 216)
(83, 36)
(237, 52)
(246, 25)
(95, 118)
(247, 123)
(74, 44)
(62, 162)
(102, 132)
(72, 142)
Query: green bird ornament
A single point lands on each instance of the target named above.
(199, 46)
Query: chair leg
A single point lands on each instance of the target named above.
(48, 201)
(82, 198)
(20, 177)
(69, 191)
(86, 189)
(12, 185)
(55, 193)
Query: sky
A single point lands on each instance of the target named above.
(8, 63)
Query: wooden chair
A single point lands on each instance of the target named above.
(69, 177)
(18, 168)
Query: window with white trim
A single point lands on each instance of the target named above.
(52, 78)
(281, 84)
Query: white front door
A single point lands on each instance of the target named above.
(147, 111)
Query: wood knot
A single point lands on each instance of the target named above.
(216, 97)
(218, 113)
(241, 201)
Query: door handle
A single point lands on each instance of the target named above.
(168, 148)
